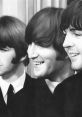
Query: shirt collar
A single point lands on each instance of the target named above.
(4, 86)
(51, 84)
(17, 85)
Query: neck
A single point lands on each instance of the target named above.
(63, 73)
(15, 73)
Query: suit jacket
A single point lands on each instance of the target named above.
(44, 100)
(69, 97)
(34, 100)
(22, 103)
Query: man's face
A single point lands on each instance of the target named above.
(43, 60)
(6, 56)
(73, 47)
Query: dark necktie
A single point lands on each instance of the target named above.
(9, 94)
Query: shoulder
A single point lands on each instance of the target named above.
(70, 84)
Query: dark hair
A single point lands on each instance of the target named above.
(72, 16)
(12, 34)
(43, 29)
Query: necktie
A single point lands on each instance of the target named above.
(9, 94)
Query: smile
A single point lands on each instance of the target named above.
(38, 62)
(71, 54)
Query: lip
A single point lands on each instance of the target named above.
(37, 62)
(73, 55)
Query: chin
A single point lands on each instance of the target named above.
(76, 67)
(40, 72)
(37, 74)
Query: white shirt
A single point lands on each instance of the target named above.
(17, 85)
(51, 84)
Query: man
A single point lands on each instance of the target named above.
(47, 57)
(13, 51)
(70, 91)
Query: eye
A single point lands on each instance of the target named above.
(77, 33)
(5, 49)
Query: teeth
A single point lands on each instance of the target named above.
(73, 54)
(38, 63)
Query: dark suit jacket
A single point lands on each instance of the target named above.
(34, 100)
(69, 97)
(44, 100)
(22, 103)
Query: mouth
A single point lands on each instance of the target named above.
(72, 54)
(38, 62)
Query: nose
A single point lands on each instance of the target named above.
(68, 42)
(32, 51)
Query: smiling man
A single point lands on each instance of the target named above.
(70, 91)
(43, 60)
(73, 46)
(44, 49)
(15, 91)
(47, 57)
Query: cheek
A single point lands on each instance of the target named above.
(8, 60)
(80, 49)
(7, 64)
(50, 65)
